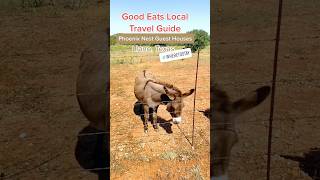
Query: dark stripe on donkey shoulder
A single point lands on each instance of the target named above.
(147, 83)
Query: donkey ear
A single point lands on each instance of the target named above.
(251, 100)
(188, 93)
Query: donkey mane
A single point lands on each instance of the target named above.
(157, 81)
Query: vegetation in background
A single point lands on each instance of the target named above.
(201, 40)
(26, 4)
(31, 3)
(113, 39)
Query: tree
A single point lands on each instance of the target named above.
(113, 39)
(201, 40)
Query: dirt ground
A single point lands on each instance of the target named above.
(40, 118)
(39, 114)
(166, 154)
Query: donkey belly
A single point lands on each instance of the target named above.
(150, 97)
(92, 87)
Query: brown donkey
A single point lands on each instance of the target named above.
(223, 133)
(92, 88)
(151, 92)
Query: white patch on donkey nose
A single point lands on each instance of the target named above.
(176, 120)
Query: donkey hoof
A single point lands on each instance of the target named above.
(145, 130)
(155, 127)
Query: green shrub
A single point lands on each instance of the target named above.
(31, 3)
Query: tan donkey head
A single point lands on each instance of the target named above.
(222, 125)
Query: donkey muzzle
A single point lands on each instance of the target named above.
(176, 120)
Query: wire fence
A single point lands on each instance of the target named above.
(284, 82)
(179, 140)
(311, 118)
(273, 164)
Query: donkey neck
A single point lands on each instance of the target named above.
(168, 86)
(155, 86)
(159, 86)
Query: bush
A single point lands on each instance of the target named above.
(25, 4)
(31, 3)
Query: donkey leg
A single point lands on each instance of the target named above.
(146, 117)
(155, 118)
